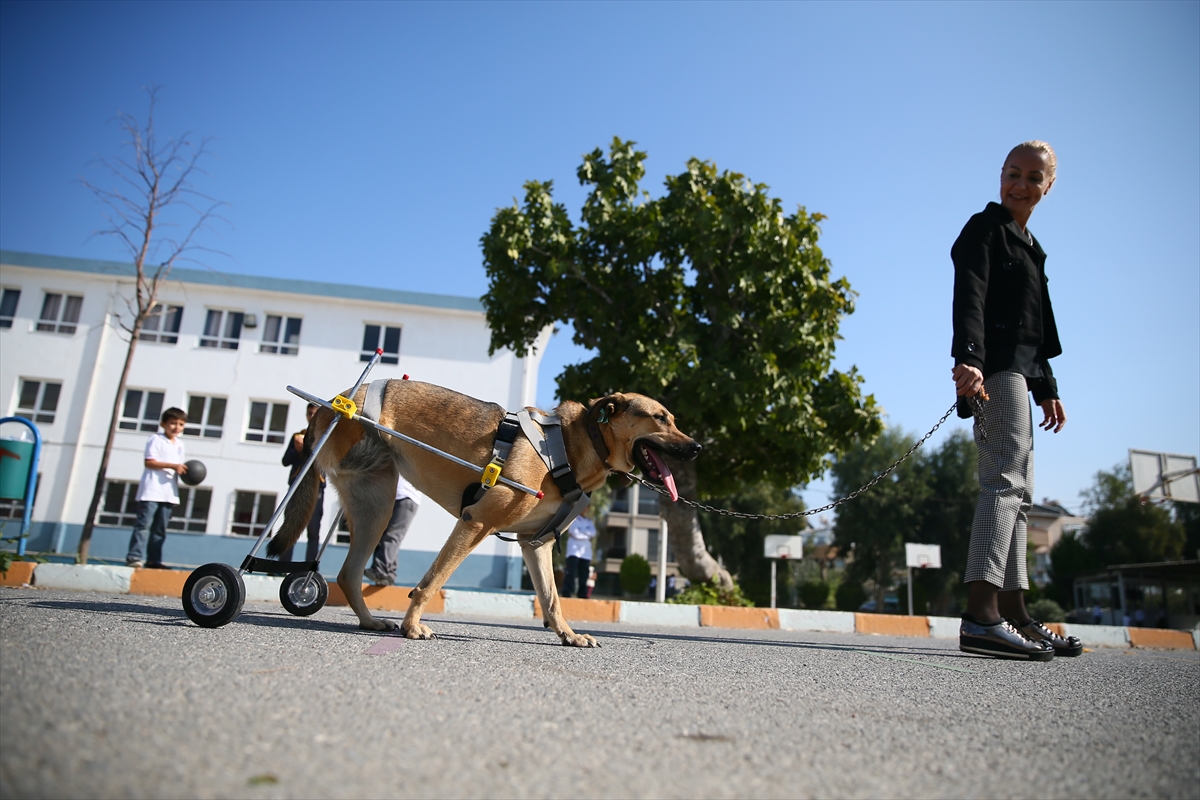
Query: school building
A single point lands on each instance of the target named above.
(223, 347)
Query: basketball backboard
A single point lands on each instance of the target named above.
(923, 555)
(1164, 476)
(777, 546)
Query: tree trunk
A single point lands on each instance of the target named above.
(85, 537)
(684, 534)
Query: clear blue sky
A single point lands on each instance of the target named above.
(371, 143)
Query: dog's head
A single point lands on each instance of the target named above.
(637, 431)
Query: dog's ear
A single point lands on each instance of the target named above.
(608, 407)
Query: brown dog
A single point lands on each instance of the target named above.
(363, 465)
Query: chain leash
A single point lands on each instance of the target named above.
(741, 515)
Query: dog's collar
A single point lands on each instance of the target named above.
(592, 424)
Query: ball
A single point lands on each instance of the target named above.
(195, 472)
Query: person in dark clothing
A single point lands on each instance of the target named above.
(294, 456)
(1004, 338)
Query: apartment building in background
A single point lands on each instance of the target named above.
(223, 347)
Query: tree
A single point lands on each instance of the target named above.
(154, 181)
(952, 474)
(875, 525)
(708, 298)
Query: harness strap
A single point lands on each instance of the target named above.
(373, 404)
(506, 434)
(544, 432)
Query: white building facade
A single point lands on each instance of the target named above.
(222, 347)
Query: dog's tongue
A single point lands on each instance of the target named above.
(664, 472)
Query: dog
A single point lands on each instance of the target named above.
(362, 464)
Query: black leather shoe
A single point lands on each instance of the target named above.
(1068, 646)
(1001, 640)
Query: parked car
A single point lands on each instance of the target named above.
(891, 604)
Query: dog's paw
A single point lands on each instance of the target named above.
(378, 625)
(579, 640)
(417, 631)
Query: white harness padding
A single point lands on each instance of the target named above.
(373, 403)
(544, 432)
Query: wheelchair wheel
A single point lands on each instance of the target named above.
(303, 593)
(213, 595)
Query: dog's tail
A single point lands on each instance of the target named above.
(299, 511)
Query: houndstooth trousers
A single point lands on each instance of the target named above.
(1005, 443)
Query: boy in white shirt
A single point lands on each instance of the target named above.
(158, 492)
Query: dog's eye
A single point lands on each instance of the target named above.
(661, 417)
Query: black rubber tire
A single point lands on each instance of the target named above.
(300, 598)
(213, 595)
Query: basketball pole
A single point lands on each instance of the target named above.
(910, 609)
(774, 561)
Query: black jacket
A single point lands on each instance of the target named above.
(1001, 300)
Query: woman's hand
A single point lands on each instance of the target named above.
(1055, 416)
(967, 380)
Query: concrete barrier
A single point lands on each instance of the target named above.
(83, 578)
(891, 624)
(739, 617)
(1162, 638)
(20, 573)
(582, 609)
(944, 627)
(804, 619)
(158, 582)
(683, 616)
(1097, 635)
(488, 604)
(386, 598)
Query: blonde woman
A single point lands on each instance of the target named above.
(1004, 338)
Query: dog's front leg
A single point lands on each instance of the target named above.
(465, 537)
(539, 559)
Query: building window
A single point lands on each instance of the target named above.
(251, 512)
(652, 538)
(377, 336)
(38, 400)
(141, 411)
(267, 423)
(222, 329)
(647, 501)
(618, 538)
(8, 306)
(281, 335)
(162, 324)
(60, 313)
(343, 531)
(191, 515)
(206, 416)
(119, 509)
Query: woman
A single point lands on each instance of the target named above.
(1004, 338)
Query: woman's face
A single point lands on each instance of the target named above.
(1023, 182)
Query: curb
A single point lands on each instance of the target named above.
(265, 588)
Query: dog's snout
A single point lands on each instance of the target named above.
(694, 450)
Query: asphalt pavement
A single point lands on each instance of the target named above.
(121, 696)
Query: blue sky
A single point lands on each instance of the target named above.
(371, 144)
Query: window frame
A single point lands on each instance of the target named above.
(267, 434)
(38, 412)
(160, 314)
(254, 529)
(62, 309)
(6, 319)
(183, 519)
(223, 339)
(282, 343)
(126, 515)
(202, 427)
(381, 334)
(141, 423)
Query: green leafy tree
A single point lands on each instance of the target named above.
(709, 298)
(1123, 529)
(952, 474)
(875, 525)
(635, 574)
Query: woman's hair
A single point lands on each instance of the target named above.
(1042, 148)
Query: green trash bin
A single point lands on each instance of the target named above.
(15, 458)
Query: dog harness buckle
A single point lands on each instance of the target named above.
(491, 474)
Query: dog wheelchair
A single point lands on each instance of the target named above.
(214, 594)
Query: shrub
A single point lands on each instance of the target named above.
(814, 594)
(1046, 610)
(850, 595)
(635, 574)
(711, 594)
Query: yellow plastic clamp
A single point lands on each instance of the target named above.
(491, 474)
(344, 406)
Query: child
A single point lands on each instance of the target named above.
(158, 492)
